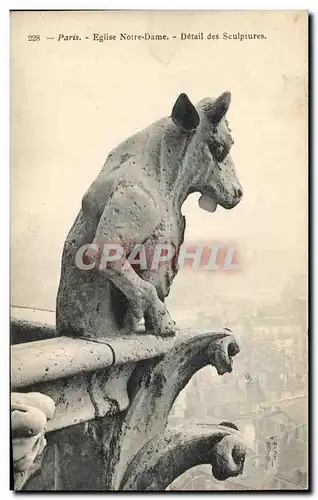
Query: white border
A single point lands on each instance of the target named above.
(163, 5)
(4, 182)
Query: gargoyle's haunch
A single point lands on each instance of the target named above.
(137, 198)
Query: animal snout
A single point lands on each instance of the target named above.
(238, 455)
(238, 192)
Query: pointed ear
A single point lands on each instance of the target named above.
(219, 108)
(184, 114)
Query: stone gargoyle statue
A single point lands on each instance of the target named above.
(135, 202)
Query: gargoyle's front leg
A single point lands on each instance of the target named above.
(143, 300)
(129, 218)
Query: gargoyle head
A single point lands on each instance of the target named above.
(208, 151)
(229, 457)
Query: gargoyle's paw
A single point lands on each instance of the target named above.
(168, 328)
(161, 323)
(165, 332)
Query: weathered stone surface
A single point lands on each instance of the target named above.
(137, 199)
(56, 358)
(76, 458)
(60, 357)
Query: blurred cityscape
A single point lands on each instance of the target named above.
(266, 396)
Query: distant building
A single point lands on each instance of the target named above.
(276, 434)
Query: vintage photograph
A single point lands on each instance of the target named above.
(159, 250)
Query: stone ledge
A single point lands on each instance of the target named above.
(87, 379)
(59, 357)
(46, 360)
(111, 394)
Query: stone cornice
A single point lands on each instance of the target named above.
(124, 385)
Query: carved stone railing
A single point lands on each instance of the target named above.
(113, 397)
